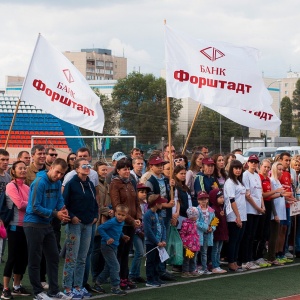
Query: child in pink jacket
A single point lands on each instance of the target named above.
(191, 241)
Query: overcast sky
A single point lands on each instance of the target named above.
(135, 27)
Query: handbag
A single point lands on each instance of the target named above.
(174, 247)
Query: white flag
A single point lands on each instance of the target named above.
(259, 119)
(221, 76)
(54, 85)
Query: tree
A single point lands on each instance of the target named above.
(296, 108)
(207, 131)
(111, 118)
(140, 102)
(286, 116)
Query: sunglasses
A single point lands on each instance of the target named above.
(253, 162)
(176, 160)
(72, 158)
(86, 166)
(239, 168)
(52, 154)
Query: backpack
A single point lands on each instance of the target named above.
(6, 214)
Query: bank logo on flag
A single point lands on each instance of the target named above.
(212, 53)
(57, 87)
(68, 75)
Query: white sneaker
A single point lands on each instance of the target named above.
(45, 285)
(42, 296)
(289, 255)
(61, 296)
(218, 271)
(206, 272)
(250, 266)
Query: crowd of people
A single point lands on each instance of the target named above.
(229, 216)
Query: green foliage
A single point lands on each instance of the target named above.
(140, 102)
(207, 131)
(296, 107)
(286, 116)
(111, 118)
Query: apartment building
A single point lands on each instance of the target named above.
(98, 64)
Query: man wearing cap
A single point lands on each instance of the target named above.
(114, 159)
(161, 185)
(255, 207)
(204, 181)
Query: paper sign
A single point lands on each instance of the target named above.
(163, 254)
(295, 208)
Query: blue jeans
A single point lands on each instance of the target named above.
(138, 244)
(297, 242)
(189, 264)
(97, 259)
(203, 249)
(111, 267)
(77, 246)
(215, 254)
(89, 257)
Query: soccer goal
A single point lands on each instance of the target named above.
(101, 147)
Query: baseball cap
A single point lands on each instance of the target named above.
(253, 157)
(141, 186)
(202, 195)
(156, 199)
(156, 161)
(208, 161)
(118, 155)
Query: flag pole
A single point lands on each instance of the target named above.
(170, 140)
(192, 126)
(170, 145)
(12, 123)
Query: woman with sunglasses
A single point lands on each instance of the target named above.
(181, 159)
(17, 193)
(70, 161)
(80, 200)
(236, 214)
(195, 168)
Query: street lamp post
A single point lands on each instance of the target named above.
(275, 90)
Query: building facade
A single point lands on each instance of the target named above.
(98, 64)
